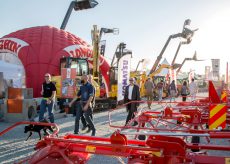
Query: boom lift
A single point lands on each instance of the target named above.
(186, 34)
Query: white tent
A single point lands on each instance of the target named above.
(14, 72)
(164, 71)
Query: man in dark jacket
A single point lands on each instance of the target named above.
(132, 93)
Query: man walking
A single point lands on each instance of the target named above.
(132, 93)
(85, 94)
(193, 90)
(84, 123)
(149, 87)
(48, 93)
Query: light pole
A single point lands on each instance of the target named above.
(77, 5)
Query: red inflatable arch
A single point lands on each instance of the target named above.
(40, 50)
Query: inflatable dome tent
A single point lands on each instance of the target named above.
(40, 48)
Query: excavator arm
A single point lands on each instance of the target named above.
(159, 70)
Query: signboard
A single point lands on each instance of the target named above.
(12, 45)
(124, 65)
(68, 82)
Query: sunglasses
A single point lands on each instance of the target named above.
(47, 76)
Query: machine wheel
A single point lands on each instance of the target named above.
(142, 137)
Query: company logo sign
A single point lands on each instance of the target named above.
(80, 51)
(11, 45)
(123, 75)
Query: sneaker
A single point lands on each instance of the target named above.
(89, 129)
(93, 132)
(83, 128)
(76, 133)
(62, 111)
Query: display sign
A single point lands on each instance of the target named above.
(123, 75)
(68, 82)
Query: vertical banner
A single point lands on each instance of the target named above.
(172, 75)
(207, 72)
(215, 68)
(191, 75)
(124, 65)
(68, 82)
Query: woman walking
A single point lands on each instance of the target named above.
(184, 91)
(172, 90)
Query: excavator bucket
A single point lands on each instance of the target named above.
(213, 96)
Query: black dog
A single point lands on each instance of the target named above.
(37, 128)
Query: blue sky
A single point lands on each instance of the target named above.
(144, 25)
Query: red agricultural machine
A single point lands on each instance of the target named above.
(163, 138)
(156, 149)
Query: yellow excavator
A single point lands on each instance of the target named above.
(141, 78)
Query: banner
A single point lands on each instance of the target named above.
(68, 82)
(172, 75)
(191, 76)
(124, 65)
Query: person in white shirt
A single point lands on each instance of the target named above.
(193, 90)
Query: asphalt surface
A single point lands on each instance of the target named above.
(14, 148)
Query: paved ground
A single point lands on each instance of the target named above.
(13, 146)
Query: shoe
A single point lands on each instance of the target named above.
(84, 127)
(93, 132)
(89, 129)
(62, 111)
(76, 133)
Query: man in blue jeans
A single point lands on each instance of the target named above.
(86, 95)
(48, 93)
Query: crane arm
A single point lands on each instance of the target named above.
(163, 50)
(178, 70)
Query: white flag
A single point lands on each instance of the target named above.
(191, 76)
(172, 75)
(124, 65)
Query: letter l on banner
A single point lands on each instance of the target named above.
(124, 65)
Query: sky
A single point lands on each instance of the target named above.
(143, 25)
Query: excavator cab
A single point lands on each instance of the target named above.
(69, 79)
(81, 65)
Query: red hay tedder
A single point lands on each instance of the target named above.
(165, 138)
